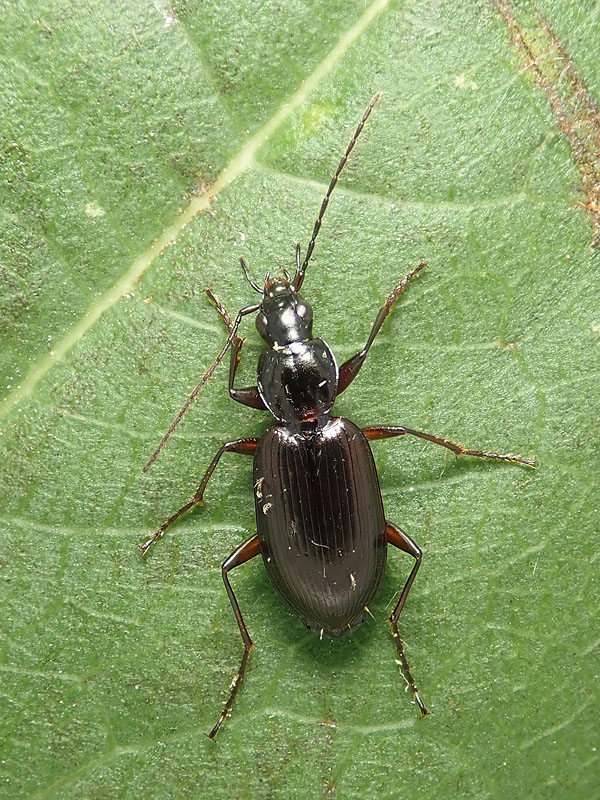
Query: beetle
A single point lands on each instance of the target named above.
(321, 527)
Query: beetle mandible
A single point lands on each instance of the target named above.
(321, 527)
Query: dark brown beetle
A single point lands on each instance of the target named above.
(321, 527)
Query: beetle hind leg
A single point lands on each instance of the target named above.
(402, 541)
(247, 550)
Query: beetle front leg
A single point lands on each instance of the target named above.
(249, 549)
(249, 396)
(402, 541)
(244, 446)
(387, 431)
(350, 368)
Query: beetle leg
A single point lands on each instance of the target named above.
(248, 396)
(243, 446)
(401, 540)
(249, 549)
(386, 431)
(350, 368)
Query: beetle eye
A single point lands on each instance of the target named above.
(261, 324)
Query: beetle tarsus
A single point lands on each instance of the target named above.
(233, 690)
(406, 669)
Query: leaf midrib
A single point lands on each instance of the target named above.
(242, 161)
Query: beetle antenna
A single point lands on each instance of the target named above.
(297, 257)
(254, 285)
(233, 327)
(299, 277)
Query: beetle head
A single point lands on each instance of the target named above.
(284, 317)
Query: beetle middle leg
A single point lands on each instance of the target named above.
(402, 541)
(350, 368)
(247, 550)
(387, 431)
(244, 446)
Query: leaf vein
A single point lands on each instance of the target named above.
(238, 164)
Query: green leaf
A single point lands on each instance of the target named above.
(144, 148)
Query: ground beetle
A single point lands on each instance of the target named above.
(321, 527)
